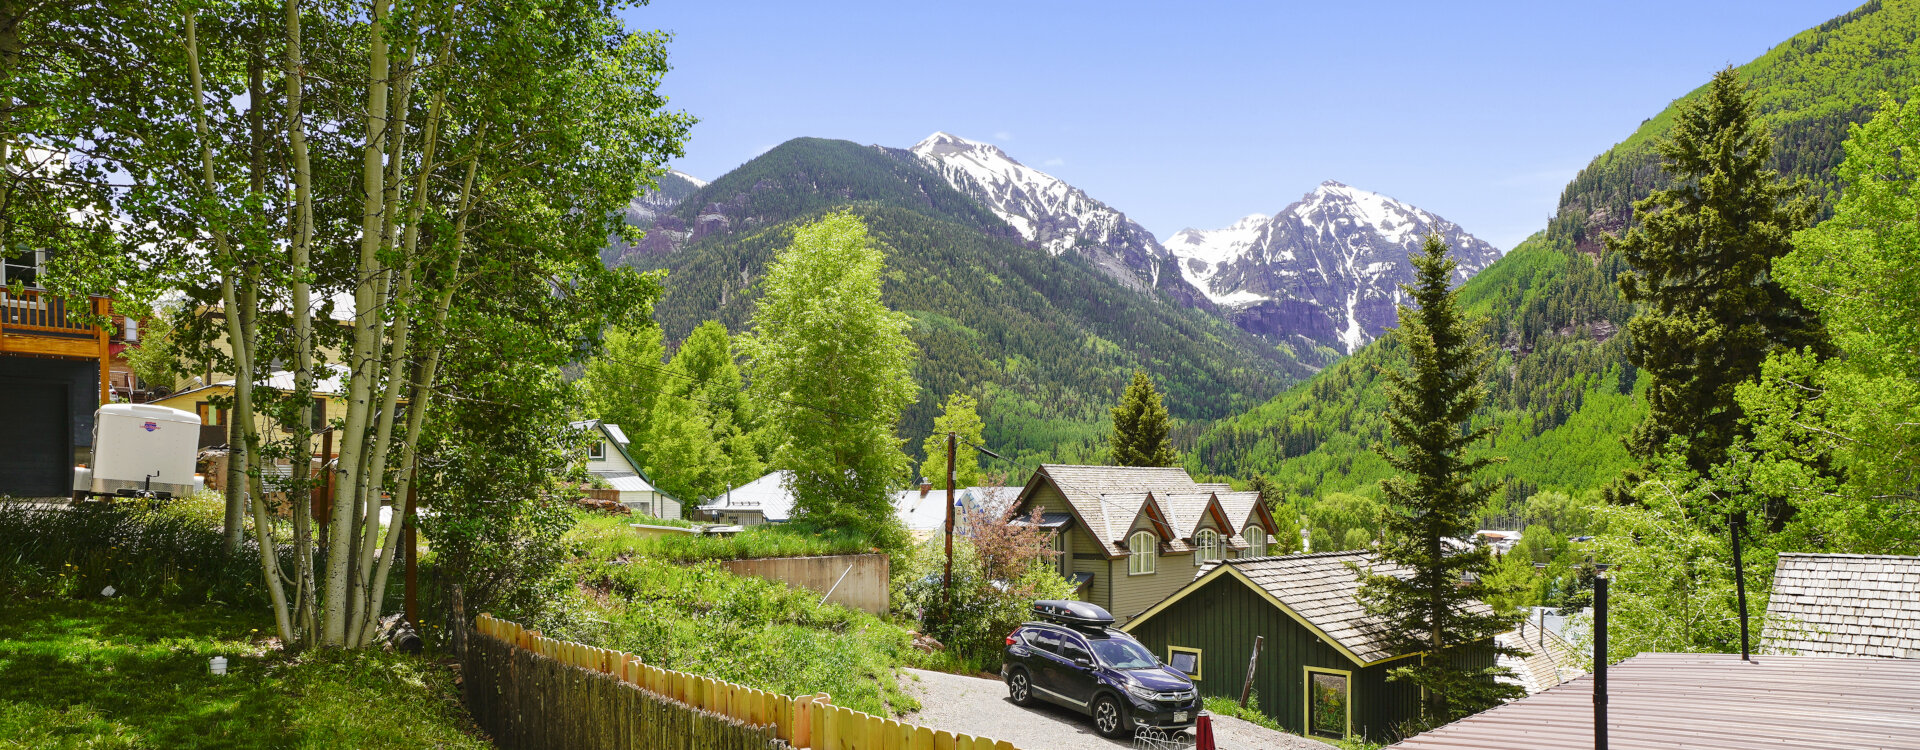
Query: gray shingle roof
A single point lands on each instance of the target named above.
(1844, 605)
(1110, 497)
(1320, 589)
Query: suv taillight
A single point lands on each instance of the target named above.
(1011, 639)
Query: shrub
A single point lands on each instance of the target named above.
(983, 609)
(165, 551)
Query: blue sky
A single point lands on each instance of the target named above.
(1195, 114)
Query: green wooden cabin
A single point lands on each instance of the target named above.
(1322, 669)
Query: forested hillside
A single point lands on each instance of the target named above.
(1562, 390)
(1045, 342)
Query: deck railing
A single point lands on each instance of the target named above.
(36, 310)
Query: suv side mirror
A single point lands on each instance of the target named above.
(1082, 662)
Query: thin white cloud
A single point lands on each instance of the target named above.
(1054, 162)
(1002, 135)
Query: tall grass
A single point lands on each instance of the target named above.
(172, 552)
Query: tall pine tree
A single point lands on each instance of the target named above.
(1140, 427)
(1709, 311)
(1434, 609)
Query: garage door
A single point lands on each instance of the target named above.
(34, 447)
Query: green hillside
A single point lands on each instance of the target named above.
(1562, 391)
(1047, 343)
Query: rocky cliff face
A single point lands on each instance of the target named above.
(1328, 267)
(651, 208)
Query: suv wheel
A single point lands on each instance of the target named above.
(1020, 687)
(1108, 718)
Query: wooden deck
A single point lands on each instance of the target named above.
(34, 323)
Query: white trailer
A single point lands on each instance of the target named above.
(141, 449)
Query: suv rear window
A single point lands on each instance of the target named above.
(1045, 640)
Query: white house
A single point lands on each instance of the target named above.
(763, 500)
(924, 510)
(608, 459)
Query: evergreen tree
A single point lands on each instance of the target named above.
(832, 369)
(1709, 311)
(959, 415)
(624, 382)
(1434, 498)
(1140, 427)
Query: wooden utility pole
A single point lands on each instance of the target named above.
(946, 583)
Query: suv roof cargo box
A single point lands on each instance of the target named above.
(1073, 614)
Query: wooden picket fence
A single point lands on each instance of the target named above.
(536, 692)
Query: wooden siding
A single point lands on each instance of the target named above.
(1222, 619)
(1133, 594)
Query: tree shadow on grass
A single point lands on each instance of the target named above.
(123, 674)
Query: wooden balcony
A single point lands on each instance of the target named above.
(34, 323)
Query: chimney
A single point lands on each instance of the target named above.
(1306, 540)
(925, 486)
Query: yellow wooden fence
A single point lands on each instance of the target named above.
(807, 721)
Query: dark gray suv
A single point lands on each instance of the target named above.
(1076, 660)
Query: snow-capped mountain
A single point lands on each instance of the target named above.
(646, 208)
(1329, 267)
(1047, 211)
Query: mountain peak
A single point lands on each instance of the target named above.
(942, 143)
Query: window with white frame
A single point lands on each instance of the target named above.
(1256, 541)
(1206, 546)
(1140, 552)
(598, 450)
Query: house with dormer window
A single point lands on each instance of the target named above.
(1129, 536)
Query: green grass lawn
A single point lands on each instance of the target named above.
(127, 674)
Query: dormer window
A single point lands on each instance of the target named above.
(1140, 553)
(597, 451)
(1256, 541)
(1206, 546)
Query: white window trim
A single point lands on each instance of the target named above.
(1204, 551)
(1255, 549)
(597, 451)
(1140, 562)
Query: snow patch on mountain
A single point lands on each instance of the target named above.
(1045, 210)
(1341, 250)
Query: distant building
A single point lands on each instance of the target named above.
(765, 500)
(923, 510)
(608, 459)
(1322, 669)
(1844, 605)
(1129, 536)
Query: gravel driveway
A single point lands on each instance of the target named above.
(976, 706)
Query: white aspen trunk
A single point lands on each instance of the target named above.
(238, 335)
(420, 391)
(302, 313)
(366, 316)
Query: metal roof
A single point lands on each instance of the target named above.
(1844, 605)
(1710, 701)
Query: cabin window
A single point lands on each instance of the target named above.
(22, 267)
(319, 417)
(1060, 551)
(1256, 541)
(598, 450)
(1140, 553)
(1329, 708)
(208, 414)
(1206, 546)
(1184, 660)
